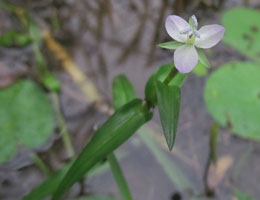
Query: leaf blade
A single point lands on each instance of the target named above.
(118, 128)
(203, 58)
(123, 91)
(119, 177)
(170, 45)
(169, 107)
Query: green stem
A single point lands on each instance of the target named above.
(212, 158)
(39, 162)
(62, 126)
(148, 105)
(119, 177)
(171, 75)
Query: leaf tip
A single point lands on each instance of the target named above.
(170, 144)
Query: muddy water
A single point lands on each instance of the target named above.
(107, 38)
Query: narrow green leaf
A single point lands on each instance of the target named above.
(161, 74)
(123, 91)
(170, 45)
(200, 70)
(116, 130)
(203, 58)
(150, 93)
(169, 107)
(14, 39)
(119, 177)
(47, 187)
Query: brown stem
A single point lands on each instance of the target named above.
(212, 158)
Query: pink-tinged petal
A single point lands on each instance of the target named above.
(210, 35)
(174, 25)
(185, 58)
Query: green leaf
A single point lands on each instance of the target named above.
(164, 70)
(14, 39)
(200, 70)
(161, 74)
(116, 130)
(123, 91)
(169, 107)
(242, 195)
(119, 177)
(47, 187)
(170, 45)
(232, 95)
(203, 58)
(243, 31)
(51, 82)
(26, 118)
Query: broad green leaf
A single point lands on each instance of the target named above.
(170, 45)
(115, 131)
(232, 97)
(123, 91)
(26, 118)
(243, 31)
(14, 39)
(203, 58)
(169, 98)
(161, 74)
(119, 177)
(242, 195)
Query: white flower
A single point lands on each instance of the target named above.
(186, 56)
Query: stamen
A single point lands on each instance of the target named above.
(196, 33)
(185, 31)
(190, 36)
(195, 21)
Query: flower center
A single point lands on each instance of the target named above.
(191, 32)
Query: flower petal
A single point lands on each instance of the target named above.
(210, 35)
(185, 58)
(174, 25)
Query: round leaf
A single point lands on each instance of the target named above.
(26, 118)
(243, 31)
(232, 95)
